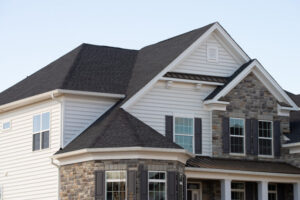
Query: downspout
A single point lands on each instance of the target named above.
(61, 140)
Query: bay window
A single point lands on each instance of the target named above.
(157, 185)
(115, 185)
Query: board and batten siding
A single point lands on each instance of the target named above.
(79, 113)
(197, 63)
(179, 99)
(24, 174)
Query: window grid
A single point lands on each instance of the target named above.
(157, 185)
(184, 132)
(265, 138)
(237, 136)
(272, 192)
(115, 185)
(41, 131)
(237, 191)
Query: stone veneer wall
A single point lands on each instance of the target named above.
(249, 99)
(77, 181)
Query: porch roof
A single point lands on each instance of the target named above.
(242, 165)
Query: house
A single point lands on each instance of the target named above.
(192, 117)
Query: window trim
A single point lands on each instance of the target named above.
(239, 190)
(272, 140)
(105, 178)
(244, 138)
(174, 134)
(41, 131)
(158, 181)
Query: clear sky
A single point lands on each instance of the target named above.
(34, 33)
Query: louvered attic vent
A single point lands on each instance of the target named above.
(212, 54)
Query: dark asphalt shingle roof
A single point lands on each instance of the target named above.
(294, 135)
(196, 77)
(87, 68)
(242, 165)
(118, 128)
(229, 79)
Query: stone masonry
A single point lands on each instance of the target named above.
(77, 181)
(249, 99)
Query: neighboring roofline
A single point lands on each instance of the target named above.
(89, 154)
(240, 172)
(52, 94)
(185, 53)
(246, 72)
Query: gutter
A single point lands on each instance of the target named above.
(51, 95)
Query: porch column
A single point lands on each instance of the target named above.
(226, 189)
(262, 190)
(297, 191)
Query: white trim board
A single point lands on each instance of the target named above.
(260, 72)
(216, 27)
(85, 155)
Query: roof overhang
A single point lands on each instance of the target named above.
(91, 154)
(217, 174)
(260, 72)
(221, 32)
(293, 147)
(53, 94)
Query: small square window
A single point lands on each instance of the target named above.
(6, 125)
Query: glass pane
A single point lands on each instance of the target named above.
(36, 142)
(109, 187)
(185, 141)
(45, 140)
(184, 126)
(236, 144)
(265, 129)
(36, 123)
(6, 125)
(45, 121)
(109, 196)
(265, 147)
(236, 126)
(272, 196)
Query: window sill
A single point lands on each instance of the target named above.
(237, 154)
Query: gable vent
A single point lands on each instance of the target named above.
(212, 54)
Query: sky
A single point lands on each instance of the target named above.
(34, 33)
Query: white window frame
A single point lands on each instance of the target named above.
(209, 59)
(239, 190)
(158, 181)
(115, 180)
(193, 127)
(6, 129)
(244, 139)
(273, 191)
(264, 138)
(41, 131)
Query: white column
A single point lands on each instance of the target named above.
(226, 189)
(262, 190)
(297, 191)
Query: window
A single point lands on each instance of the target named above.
(212, 54)
(237, 191)
(265, 135)
(6, 125)
(184, 133)
(41, 128)
(157, 186)
(115, 185)
(272, 192)
(237, 134)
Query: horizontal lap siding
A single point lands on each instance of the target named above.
(196, 63)
(180, 98)
(80, 113)
(30, 175)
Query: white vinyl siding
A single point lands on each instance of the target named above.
(198, 63)
(80, 113)
(25, 174)
(180, 98)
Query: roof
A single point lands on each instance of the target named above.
(196, 77)
(117, 128)
(294, 135)
(229, 80)
(242, 165)
(86, 68)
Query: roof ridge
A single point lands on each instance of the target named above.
(73, 64)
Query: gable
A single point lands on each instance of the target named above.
(198, 63)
